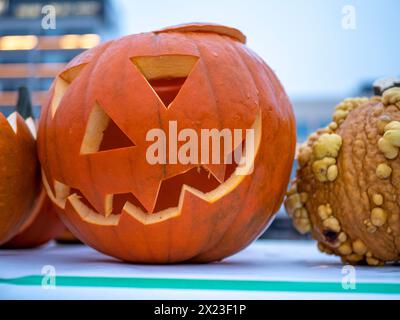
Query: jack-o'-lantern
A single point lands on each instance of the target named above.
(93, 145)
(19, 174)
(37, 223)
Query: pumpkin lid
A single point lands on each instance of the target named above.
(207, 28)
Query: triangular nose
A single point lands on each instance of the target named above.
(166, 74)
(167, 89)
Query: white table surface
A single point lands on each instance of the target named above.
(268, 269)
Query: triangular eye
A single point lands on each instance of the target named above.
(166, 74)
(62, 82)
(114, 138)
(102, 133)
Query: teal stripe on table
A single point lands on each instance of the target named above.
(207, 284)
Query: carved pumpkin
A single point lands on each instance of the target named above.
(25, 207)
(19, 174)
(92, 145)
(347, 184)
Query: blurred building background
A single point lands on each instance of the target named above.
(322, 51)
(31, 55)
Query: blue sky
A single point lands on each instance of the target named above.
(302, 40)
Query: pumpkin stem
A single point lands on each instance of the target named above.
(24, 105)
(207, 28)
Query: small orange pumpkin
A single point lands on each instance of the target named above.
(19, 174)
(92, 145)
(42, 226)
(27, 216)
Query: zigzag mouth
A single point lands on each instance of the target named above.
(169, 200)
(170, 191)
(198, 181)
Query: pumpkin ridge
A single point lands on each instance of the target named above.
(234, 219)
(215, 104)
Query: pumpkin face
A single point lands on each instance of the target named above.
(19, 174)
(93, 142)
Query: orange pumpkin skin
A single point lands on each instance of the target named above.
(42, 226)
(227, 87)
(19, 175)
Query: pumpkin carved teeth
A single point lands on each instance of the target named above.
(12, 121)
(62, 191)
